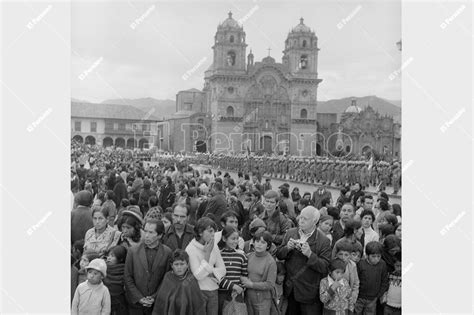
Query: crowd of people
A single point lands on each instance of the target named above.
(168, 238)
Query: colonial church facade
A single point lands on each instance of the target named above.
(249, 105)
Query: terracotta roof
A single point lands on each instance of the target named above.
(109, 111)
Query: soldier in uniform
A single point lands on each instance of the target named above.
(396, 178)
(345, 173)
(312, 171)
(364, 175)
(331, 172)
(382, 176)
(337, 171)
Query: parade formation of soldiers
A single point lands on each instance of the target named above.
(326, 171)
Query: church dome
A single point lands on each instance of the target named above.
(353, 109)
(301, 28)
(268, 59)
(230, 23)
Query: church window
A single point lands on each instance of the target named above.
(304, 62)
(304, 114)
(230, 111)
(230, 89)
(231, 38)
(231, 58)
(304, 43)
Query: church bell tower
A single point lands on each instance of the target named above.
(229, 47)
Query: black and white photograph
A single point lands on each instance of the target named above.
(247, 157)
(236, 158)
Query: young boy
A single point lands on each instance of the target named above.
(179, 292)
(334, 290)
(343, 252)
(373, 277)
(92, 296)
(393, 297)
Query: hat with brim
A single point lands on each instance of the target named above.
(99, 265)
(133, 212)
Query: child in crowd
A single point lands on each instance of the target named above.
(92, 296)
(262, 269)
(356, 254)
(393, 297)
(334, 290)
(373, 277)
(325, 225)
(179, 292)
(115, 279)
(236, 266)
(86, 258)
(343, 252)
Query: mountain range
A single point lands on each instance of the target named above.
(165, 108)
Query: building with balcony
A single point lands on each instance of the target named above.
(122, 126)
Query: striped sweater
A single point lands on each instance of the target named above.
(235, 263)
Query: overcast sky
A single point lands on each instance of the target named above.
(170, 38)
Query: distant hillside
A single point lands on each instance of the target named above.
(395, 102)
(165, 108)
(159, 108)
(383, 106)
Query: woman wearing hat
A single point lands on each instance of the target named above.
(130, 225)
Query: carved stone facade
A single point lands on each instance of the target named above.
(360, 131)
(263, 106)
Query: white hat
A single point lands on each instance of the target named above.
(99, 265)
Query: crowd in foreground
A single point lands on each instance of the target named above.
(169, 239)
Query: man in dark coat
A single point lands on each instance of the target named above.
(217, 205)
(145, 267)
(307, 253)
(347, 212)
(81, 216)
(180, 233)
(319, 195)
(167, 193)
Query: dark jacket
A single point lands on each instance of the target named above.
(139, 282)
(167, 195)
(217, 205)
(306, 285)
(81, 222)
(277, 224)
(337, 232)
(319, 195)
(120, 192)
(373, 279)
(171, 239)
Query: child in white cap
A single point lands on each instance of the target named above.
(92, 296)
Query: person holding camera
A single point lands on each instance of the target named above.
(307, 253)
